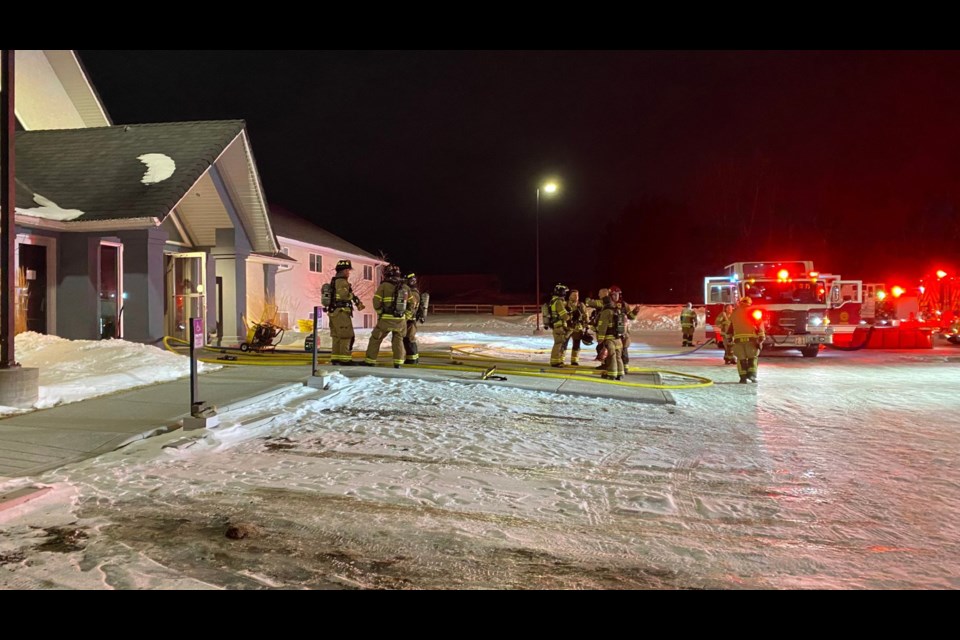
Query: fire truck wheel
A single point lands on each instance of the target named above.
(244, 346)
(810, 352)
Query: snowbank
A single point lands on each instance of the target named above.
(73, 370)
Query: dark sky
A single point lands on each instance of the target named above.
(673, 164)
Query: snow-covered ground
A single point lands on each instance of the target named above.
(836, 472)
(72, 370)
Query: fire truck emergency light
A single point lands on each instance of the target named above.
(941, 273)
(757, 314)
(897, 291)
(783, 274)
(881, 295)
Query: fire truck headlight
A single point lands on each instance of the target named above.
(826, 321)
(816, 321)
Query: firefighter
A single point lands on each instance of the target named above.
(412, 315)
(616, 294)
(746, 334)
(342, 303)
(610, 335)
(390, 304)
(578, 326)
(559, 318)
(688, 322)
(723, 321)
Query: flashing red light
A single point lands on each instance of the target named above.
(783, 274)
(922, 288)
(897, 291)
(757, 314)
(814, 274)
(941, 273)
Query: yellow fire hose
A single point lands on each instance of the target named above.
(578, 374)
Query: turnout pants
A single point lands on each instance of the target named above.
(410, 343)
(687, 335)
(397, 327)
(747, 352)
(560, 337)
(575, 352)
(341, 333)
(614, 363)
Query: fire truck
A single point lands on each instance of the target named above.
(799, 307)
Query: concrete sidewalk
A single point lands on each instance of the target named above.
(49, 438)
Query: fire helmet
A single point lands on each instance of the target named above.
(344, 264)
(746, 301)
(615, 290)
(391, 272)
(587, 338)
(412, 279)
(561, 290)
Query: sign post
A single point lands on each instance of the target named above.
(202, 415)
(317, 380)
(316, 323)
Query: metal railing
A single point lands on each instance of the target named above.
(512, 309)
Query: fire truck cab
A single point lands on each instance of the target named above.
(801, 308)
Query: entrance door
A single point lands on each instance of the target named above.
(33, 266)
(111, 290)
(185, 287)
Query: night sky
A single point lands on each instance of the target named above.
(672, 164)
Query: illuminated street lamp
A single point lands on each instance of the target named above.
(549, 188)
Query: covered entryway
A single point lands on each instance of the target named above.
(184, 288)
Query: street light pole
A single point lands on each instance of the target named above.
(548, 188)
(538, 330)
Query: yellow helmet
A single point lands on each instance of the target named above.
(746, 301)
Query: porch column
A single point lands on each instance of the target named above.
(143, 284)
(231, 254)
(78, 301)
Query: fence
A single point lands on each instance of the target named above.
(511, 309)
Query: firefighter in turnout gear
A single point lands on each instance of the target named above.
(616, 295)
(578, 325)
(390, 303)
(412, 316)
(559, 317)
(688, 322)
(723, 322)
(610, 335)
(746, 333)
(342, 303)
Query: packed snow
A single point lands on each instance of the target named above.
(835, 472)
(159, 167)
(49, 210)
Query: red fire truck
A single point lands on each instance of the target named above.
(800, 307)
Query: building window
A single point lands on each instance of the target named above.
(367, 272)
(316, 262)
(367, 321)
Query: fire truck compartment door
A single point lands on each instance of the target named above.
(719, 291)
(843, 291)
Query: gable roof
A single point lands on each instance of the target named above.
(96, 171)
(289, 225)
